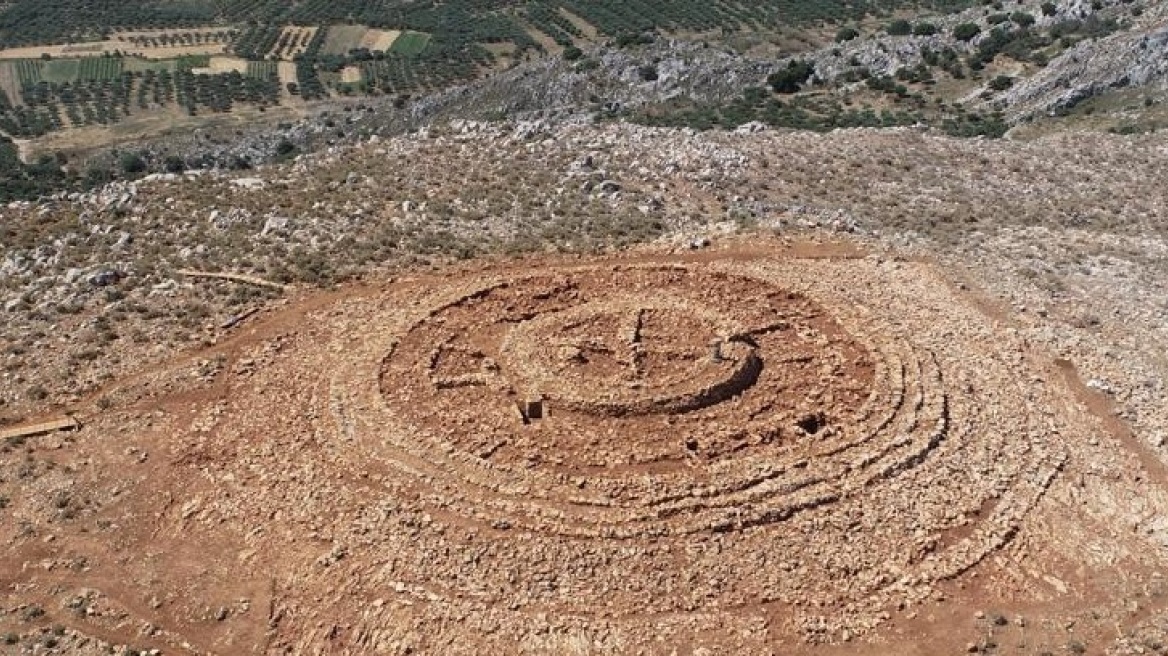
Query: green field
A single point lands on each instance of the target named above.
(140, 65)
(262, 69)
(28, 71)
(99, 68)
(187, 62)
(410, 43)
(61, 71)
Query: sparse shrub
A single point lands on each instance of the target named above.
(924, 29)
(1049, 9)
(791, 79)
(966, 31)
(572, 53)
(635, 39)
(900, 27)
(97, 175)
(648, 73)
(132, 164)
(846, 34)
(1022, 19)
(174, 164)
(1001, 83)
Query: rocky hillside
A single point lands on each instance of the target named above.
(93, 284)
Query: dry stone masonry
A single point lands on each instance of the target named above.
(577, 451)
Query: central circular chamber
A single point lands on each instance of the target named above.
(630, 356)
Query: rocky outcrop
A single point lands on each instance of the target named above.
(1127, 59)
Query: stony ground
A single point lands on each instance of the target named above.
(212, 441)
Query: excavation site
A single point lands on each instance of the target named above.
(746, 449)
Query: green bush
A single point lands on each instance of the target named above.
(792, 78)
(174, 164)
(966, 31)
(1022, 19)
(1001, 83)
(924, 29)
(1049, 9)
(132, 164)
(846, 34)
(900, 27)
(572, 53)
(96, 175)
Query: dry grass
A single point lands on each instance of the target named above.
(343, 38)
(287, 72)
(379, 39)
(9, 81)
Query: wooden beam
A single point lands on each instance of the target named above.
(28, 430)
(234, 277)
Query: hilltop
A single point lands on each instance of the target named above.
(583, 327)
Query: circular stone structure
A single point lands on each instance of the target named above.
(696, 369)
(615, 403)
(689, 447)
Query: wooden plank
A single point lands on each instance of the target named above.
(251, 280)
(28, 430)
(237, 319)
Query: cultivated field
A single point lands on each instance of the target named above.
(219, 65)
(125, 47)
(343, 38)
(381, 40)
(10, 80)
(292, 41)
(411, 43)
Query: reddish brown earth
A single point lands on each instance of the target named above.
(755, 449)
